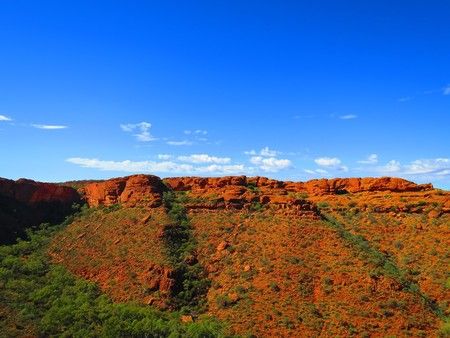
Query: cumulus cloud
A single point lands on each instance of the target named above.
(392, 166)
(348, 117)
(331, 163)
(152, 166)
(5, 118)
(266, 160)
(270, 164)
(222, 169)
(328, 161)
(204, 158)
(48, 126)
(179, 143)
(371, 159)
(141, 131)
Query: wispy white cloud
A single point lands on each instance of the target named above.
(204, 158)
(316, 171)
(431, 168)
(371, 159)
(328, 161)
(156, 167)
(180, 143)
(437, 166)
(298, 117)
(164, 157)
(5, 118)
(331, 163)
(267, 161)
(270, 164)
(446, 90)
(49, 126)
(222, 169)
(265, 152)
(348, 117)
(392, 166)
(130, 166)
(196, 132)
(141, 130)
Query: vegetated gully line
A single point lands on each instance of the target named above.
(383, 263)
(191, 281)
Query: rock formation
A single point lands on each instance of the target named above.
(129, 191)
(26, 203)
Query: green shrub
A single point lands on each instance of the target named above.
(274, 287)
(223, 301)
(445, 328)
(323, 205)
(256, 206)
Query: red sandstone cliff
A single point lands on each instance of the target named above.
(235, 191)
(26, 203)
(130, 190)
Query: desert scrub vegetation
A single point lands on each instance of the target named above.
(298, 195)
(256, 206)
(43, 299)
(252, 187)
(323, 205)
(383, 264)
(191, 282)
(224, 301)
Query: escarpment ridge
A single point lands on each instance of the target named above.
(234, 189)
(26, 203)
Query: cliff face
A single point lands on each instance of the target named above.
(239, 192)
(314, 187)
(129, 191)
(233, 191)
(26, 203)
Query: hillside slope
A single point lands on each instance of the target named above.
(365, 257)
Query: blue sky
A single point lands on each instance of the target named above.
(287, 89)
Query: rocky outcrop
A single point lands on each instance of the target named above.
(356, 185)
(26, 203)
(236, 192)
(314, 187)
(241, 192)
(129, 191)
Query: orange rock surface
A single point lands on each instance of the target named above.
(144, 189)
